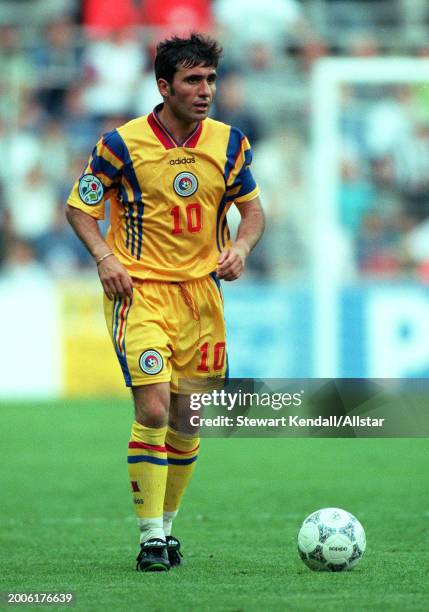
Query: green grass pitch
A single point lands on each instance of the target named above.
(66, 518)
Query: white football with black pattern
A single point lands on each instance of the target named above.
(331, 539)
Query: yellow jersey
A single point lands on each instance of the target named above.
(168, 200)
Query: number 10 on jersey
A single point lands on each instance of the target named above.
(187, 220)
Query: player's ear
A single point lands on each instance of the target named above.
(164, 88)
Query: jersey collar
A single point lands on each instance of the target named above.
(166, 138)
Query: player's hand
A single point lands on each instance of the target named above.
(115, 279)
(231, 261)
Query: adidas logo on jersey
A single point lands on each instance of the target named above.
(183, 160)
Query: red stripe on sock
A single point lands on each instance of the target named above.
(171, 449)
(152, 447)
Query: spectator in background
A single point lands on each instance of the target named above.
(56, 62)
(15, 70)
(359, 16)
(103, 17)
(58, 250)
(79, 128)
(147, 94)
(386, 183)
(398, 144)
(363, 44)
(167, 17)
(387, 202)
(415, 250)
(280, 160)
(231, 107)
(415, 14)
(378, 240)
(161, 17)
(246, 22)
(411, 166)
(378, 246)
(21, 264)
(22, 145)
(264, 82)
(356, 194)
(113, 66)
(55, 159)
(271, 23)
(13, 60)
(353, 122)
(32, 203)
(388, 121)
(31, 116)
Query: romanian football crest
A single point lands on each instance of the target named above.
(185, 184)
(91, 189)
(151, 362)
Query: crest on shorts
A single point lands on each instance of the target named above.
(185, 184)
(151, 362)
(91, 189)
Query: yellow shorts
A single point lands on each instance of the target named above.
(169, 331)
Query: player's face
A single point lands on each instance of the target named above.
(191, 93)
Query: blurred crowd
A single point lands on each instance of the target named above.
(384, 194)
(78, 71)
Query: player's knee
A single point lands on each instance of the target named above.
(184, 423)
(151, 405)
(152, 415)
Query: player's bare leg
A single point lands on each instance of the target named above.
(179, 416)
(151, 404)
(148, 467)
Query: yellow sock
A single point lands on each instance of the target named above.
(147, 469)
(182, 451)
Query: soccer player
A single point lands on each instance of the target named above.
(170, 177)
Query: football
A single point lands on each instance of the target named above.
(331, 540)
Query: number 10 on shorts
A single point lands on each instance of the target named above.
(218, 356)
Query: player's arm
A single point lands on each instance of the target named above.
(113, 276)
(232, 261)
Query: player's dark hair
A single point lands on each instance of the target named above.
(189, 52)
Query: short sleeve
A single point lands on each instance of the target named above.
(101, 178)
(240, 184)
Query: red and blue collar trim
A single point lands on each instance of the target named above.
(164, 135)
